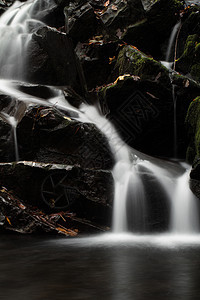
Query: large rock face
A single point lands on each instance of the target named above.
(81, 22)
(132, 61)
(119, 14)
(140, 103)
(85, 194)
(51, 59)
(51, 137)
(193, 150)
(189, 63)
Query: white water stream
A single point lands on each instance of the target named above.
(129, 183)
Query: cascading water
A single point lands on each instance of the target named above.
(171, 41)
(15, 31)
(185, 216)
(16, 26)
(13, 123)
(168, 63)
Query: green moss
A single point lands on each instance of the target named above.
(134, 62)
(195, 72)
(185, 62)
(189, 60)
(193, 126)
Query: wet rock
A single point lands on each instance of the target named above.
(190, 26)
(51, 59)
(37, 90)
(193, 127)
(85, 192)
(81, 22)
(188, 63)
(52, 137)
(132, 61)
(149, 33)
(143, 112)
(6, 140)
(185, 90)
(4, 5)
(22, 218)
(120, 14)
(97, 59)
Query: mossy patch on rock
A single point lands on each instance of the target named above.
(189, 62)
(132, 61)
(193, 127)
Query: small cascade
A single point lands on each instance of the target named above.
(16, 26)
(175, 121)
(171, 42)
(168, 63)
(13, 123)
(185, 209)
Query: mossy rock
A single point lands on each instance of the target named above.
(189, 62)
(193, 128)
(190, 26)
(134, 62)
(142, 112)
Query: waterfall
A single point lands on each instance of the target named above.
(185, 210)
(175, 121)
(130, 196)
(171, 41)
(13, 123)
(16, 26)
(126, 177)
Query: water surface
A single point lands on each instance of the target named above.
(135, 267)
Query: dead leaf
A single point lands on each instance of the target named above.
(111, 59)
(120, 78)
(8, 220)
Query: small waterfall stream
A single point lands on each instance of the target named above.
(171, 42)
(185, 209)
(16, 26)
(13, 123)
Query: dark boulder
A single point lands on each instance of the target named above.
(85, 192)
(119, 14)
(190, 26)
(51, 59)
(97, 59)
(46, 135)
(143, 111)
(81, 22)
(189, 63)
(17, 216)
(132, 61)
(193, 127)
